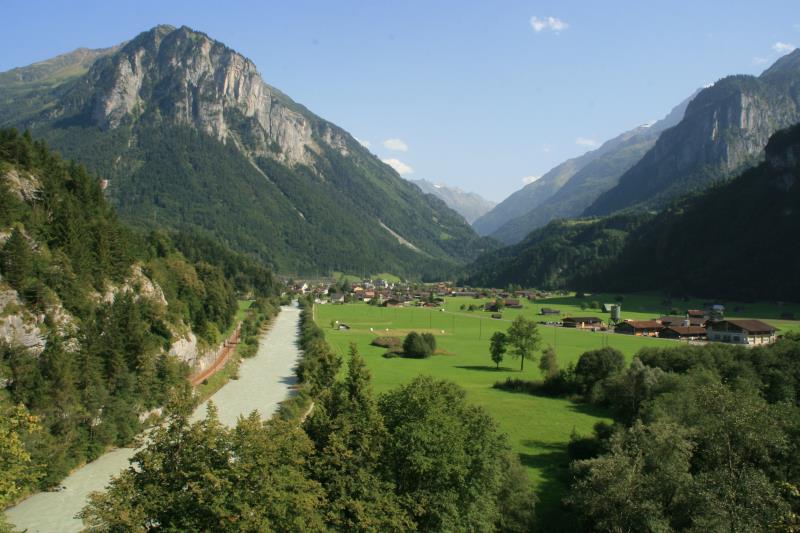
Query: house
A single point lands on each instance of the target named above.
(741, 331)
(695, 313)
(639, 328)
(549, 311)
(606, 308)
(582, 322)
(336, 298)
(675, 320)
(684, 333)
(512, 303)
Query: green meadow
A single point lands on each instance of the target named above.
(538, 428)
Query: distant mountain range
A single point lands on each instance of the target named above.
(733, 240)
(579, 181)
(191, 138)
(469, 205)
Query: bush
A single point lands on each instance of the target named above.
(387, 342)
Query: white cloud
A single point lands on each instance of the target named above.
(783, 48)
(548, 23)
(546, 148)
(399, 166)
(396, 144)
(363, 143)
(587, 143)
(530, 179)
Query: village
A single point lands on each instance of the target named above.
(696, 326)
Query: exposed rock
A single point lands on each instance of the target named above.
(25, 186)
(211, 87)
(138, 283)
(17, 326)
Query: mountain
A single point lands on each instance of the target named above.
(469, 205)
(733, 240)
(724, 131)
(600, 174)
(531, 195)
(190, 137)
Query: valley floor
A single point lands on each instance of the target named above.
(539, 428)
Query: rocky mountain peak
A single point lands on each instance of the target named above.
(184, 77)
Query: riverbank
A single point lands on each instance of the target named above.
(265, 380)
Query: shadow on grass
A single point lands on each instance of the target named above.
(484, 368)
(553, 467)
(589, 409)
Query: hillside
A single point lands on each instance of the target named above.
(724, 131)
(685, 249)
(600, 174)
(98, 325)
(191, 138)
(469, 205)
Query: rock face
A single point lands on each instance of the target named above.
(725, 130)
(191, 138)
(209, 86)
(469, 205)
(18, 327)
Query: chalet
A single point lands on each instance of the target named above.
(466, 294)
(695, 313)
(512, 303)
(639, 328)
(741, 331)
(336, 298)
(549, 311)
(582, 322)
(684, 332)
(606, 308)
(675, 320)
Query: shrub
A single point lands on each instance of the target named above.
(387, 342)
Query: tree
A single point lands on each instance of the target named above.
(524, 337)
(548, 364)
(596, 365)
(497, 347)
(447, 458)
(16, 259)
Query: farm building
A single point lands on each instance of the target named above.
(684, 332)
(511, 303)
(549, 311)
(741, 331)
(582, 322)
(639, 328)
(675, 320)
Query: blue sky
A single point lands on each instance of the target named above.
(475, 94)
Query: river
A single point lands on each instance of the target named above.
(265, 380)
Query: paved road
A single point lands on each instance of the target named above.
(265, 381)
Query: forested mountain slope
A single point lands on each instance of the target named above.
(734, 240)
(90, 312)
(191, 138)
